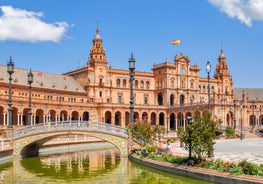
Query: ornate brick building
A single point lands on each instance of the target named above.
(98, 92)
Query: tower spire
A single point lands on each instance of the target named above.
(97, 53)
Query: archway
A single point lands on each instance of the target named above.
(63, 115)
(85, 116)
(180, 119)
(136, 116)
(108, 117)
(118, 118)
(252, 120)
(127, 118)
(25, 117)
(1, 115)
(172, 121)
(161, 119)
(39, 116)
(144, 117)
(52, 115)
(153, 118)
(74, 115)
(14, 116)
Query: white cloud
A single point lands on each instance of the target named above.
(246, 11)
(23, 25)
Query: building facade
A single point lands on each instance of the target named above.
(98, 92)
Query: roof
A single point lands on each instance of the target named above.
(250, 93)
(41, 79)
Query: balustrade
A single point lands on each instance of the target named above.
(69, 126)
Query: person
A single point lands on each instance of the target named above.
(168, 148)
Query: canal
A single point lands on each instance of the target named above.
(90, 166)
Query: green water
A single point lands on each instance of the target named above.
(98, 167)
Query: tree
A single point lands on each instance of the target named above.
(203, 133)
(144, 132)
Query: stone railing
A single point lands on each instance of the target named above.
(70, 126)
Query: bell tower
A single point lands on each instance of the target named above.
(221, 67)
(97, 52)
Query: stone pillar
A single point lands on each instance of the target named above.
(5, 118)
(113, 119)
(168, 125)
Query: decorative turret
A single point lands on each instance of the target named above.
(221, 67)
(97, 53)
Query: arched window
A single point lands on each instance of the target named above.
(124, 83)
(147, 85)
(118, 83)
(142, 85)
(136, 84)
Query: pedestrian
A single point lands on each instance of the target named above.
(168, 148)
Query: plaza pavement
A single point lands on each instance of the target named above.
(233, 150)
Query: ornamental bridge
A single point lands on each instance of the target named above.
(26, 141)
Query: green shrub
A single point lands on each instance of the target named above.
(230, 132)
(153, 149)
(180, 160)
(157, 157)
(236, 170)
(209, 164)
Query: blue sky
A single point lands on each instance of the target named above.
(55, 36)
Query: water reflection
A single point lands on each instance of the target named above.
(100, 166)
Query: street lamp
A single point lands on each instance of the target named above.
(234, 113)
(48, 116)
(181, 114)
(260, 119)
(208, 69)
(131, 68)
(30, 81)
(10, 70)
(241, 132)
(190, 161)
(253, 116)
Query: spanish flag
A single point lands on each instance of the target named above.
(176, 42)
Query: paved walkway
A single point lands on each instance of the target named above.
(234, 150)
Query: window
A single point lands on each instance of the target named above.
(146, 98)
(172, 83)
(136, 84)
(100, 93)
(147, 85)
(120, 94)
(118, 83)
(124, 83)
(142, 85)
(101, 85)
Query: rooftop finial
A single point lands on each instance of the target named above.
(97, 28)
(131, 54)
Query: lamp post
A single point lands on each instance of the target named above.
(234, 114)
(260, 119)
(190, 161)
(208, 69)
(10, 70)
(131, 68)
(241, 131)
(30, 81)
(181, 114)
(253, 116)
(49, 116)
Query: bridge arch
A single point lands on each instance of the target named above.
(32, 139)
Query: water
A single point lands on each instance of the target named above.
(97, 166)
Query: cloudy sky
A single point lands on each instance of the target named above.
(55, 36)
